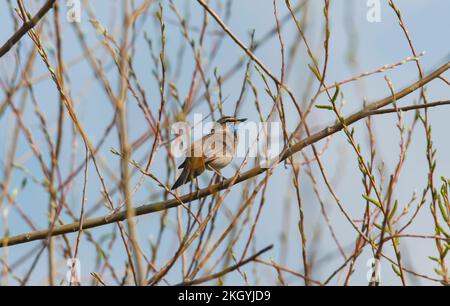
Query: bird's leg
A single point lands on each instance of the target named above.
(197, 186)
(216, 178)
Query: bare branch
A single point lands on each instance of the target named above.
(28, 25)
(159, 206)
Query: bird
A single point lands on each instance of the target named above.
(212, 152)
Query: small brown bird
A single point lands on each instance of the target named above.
(212, 152)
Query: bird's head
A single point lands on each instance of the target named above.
(230, 119)
(222, 124)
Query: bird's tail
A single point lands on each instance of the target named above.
(182, 179)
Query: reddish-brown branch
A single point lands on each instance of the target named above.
(28, 25)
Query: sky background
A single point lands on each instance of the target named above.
(374, 45)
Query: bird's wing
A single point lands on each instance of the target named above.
(211, 147)
(218, 146)
(195, 150)
(197, 147)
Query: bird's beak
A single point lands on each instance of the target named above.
(241, 120)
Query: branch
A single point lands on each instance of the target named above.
(163, 205)
(408, 108)
(28, 25)
(225, 271)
